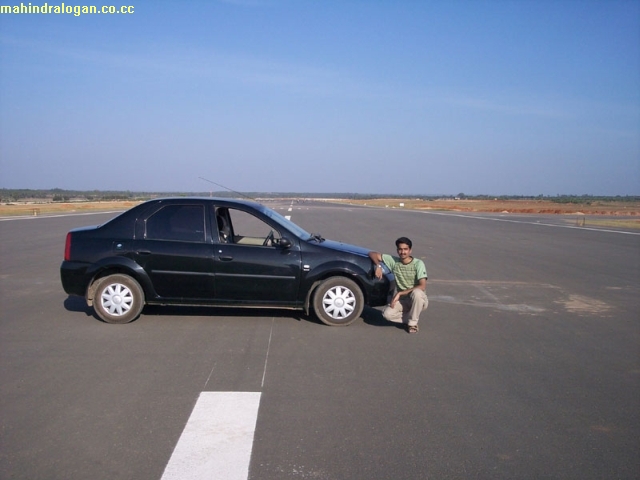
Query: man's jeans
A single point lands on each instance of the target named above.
(408, 308)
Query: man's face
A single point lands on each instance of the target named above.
(403, 251)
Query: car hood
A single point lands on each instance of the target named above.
(345, 247)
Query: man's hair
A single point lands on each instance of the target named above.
(404, 240)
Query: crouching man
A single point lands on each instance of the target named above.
(410, 297)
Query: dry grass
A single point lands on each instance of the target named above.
(510, 206)
(601, 214)
(43, 208)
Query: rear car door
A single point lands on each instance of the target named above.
(177, 253)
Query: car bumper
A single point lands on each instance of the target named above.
(74, 277)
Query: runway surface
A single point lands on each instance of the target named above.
(527, 364)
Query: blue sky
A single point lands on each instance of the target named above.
(409, 97)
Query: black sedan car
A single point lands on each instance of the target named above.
(216, 252)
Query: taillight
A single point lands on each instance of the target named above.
(67, 248)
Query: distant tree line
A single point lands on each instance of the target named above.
(60, 195)
(8, 195)
(578, 199)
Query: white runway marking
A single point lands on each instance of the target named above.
(217, 439)
(266, 358)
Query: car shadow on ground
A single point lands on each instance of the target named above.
(77, 304)
(204, 311)
(370, 316)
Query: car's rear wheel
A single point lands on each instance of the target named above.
(118, 299)
(338, 301)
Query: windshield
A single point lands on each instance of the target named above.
(295, 229)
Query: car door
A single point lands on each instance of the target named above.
(250, 266)
(176, 252)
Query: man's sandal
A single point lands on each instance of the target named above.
(412, 329)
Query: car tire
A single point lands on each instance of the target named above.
(118, 299)
(338, 301)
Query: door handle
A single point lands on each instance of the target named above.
(226, 258)
(144, 252)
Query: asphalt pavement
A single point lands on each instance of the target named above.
(527, 363)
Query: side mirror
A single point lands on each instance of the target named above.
(285, 242)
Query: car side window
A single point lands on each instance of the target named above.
(178, 223)
(250, 230)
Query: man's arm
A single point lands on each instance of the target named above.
(376, 258)
(421, 285)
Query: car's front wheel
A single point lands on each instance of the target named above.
(118, 299)
(338, 301)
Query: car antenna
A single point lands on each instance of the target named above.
(227, 188)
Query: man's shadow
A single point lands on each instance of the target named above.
(373, 316)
